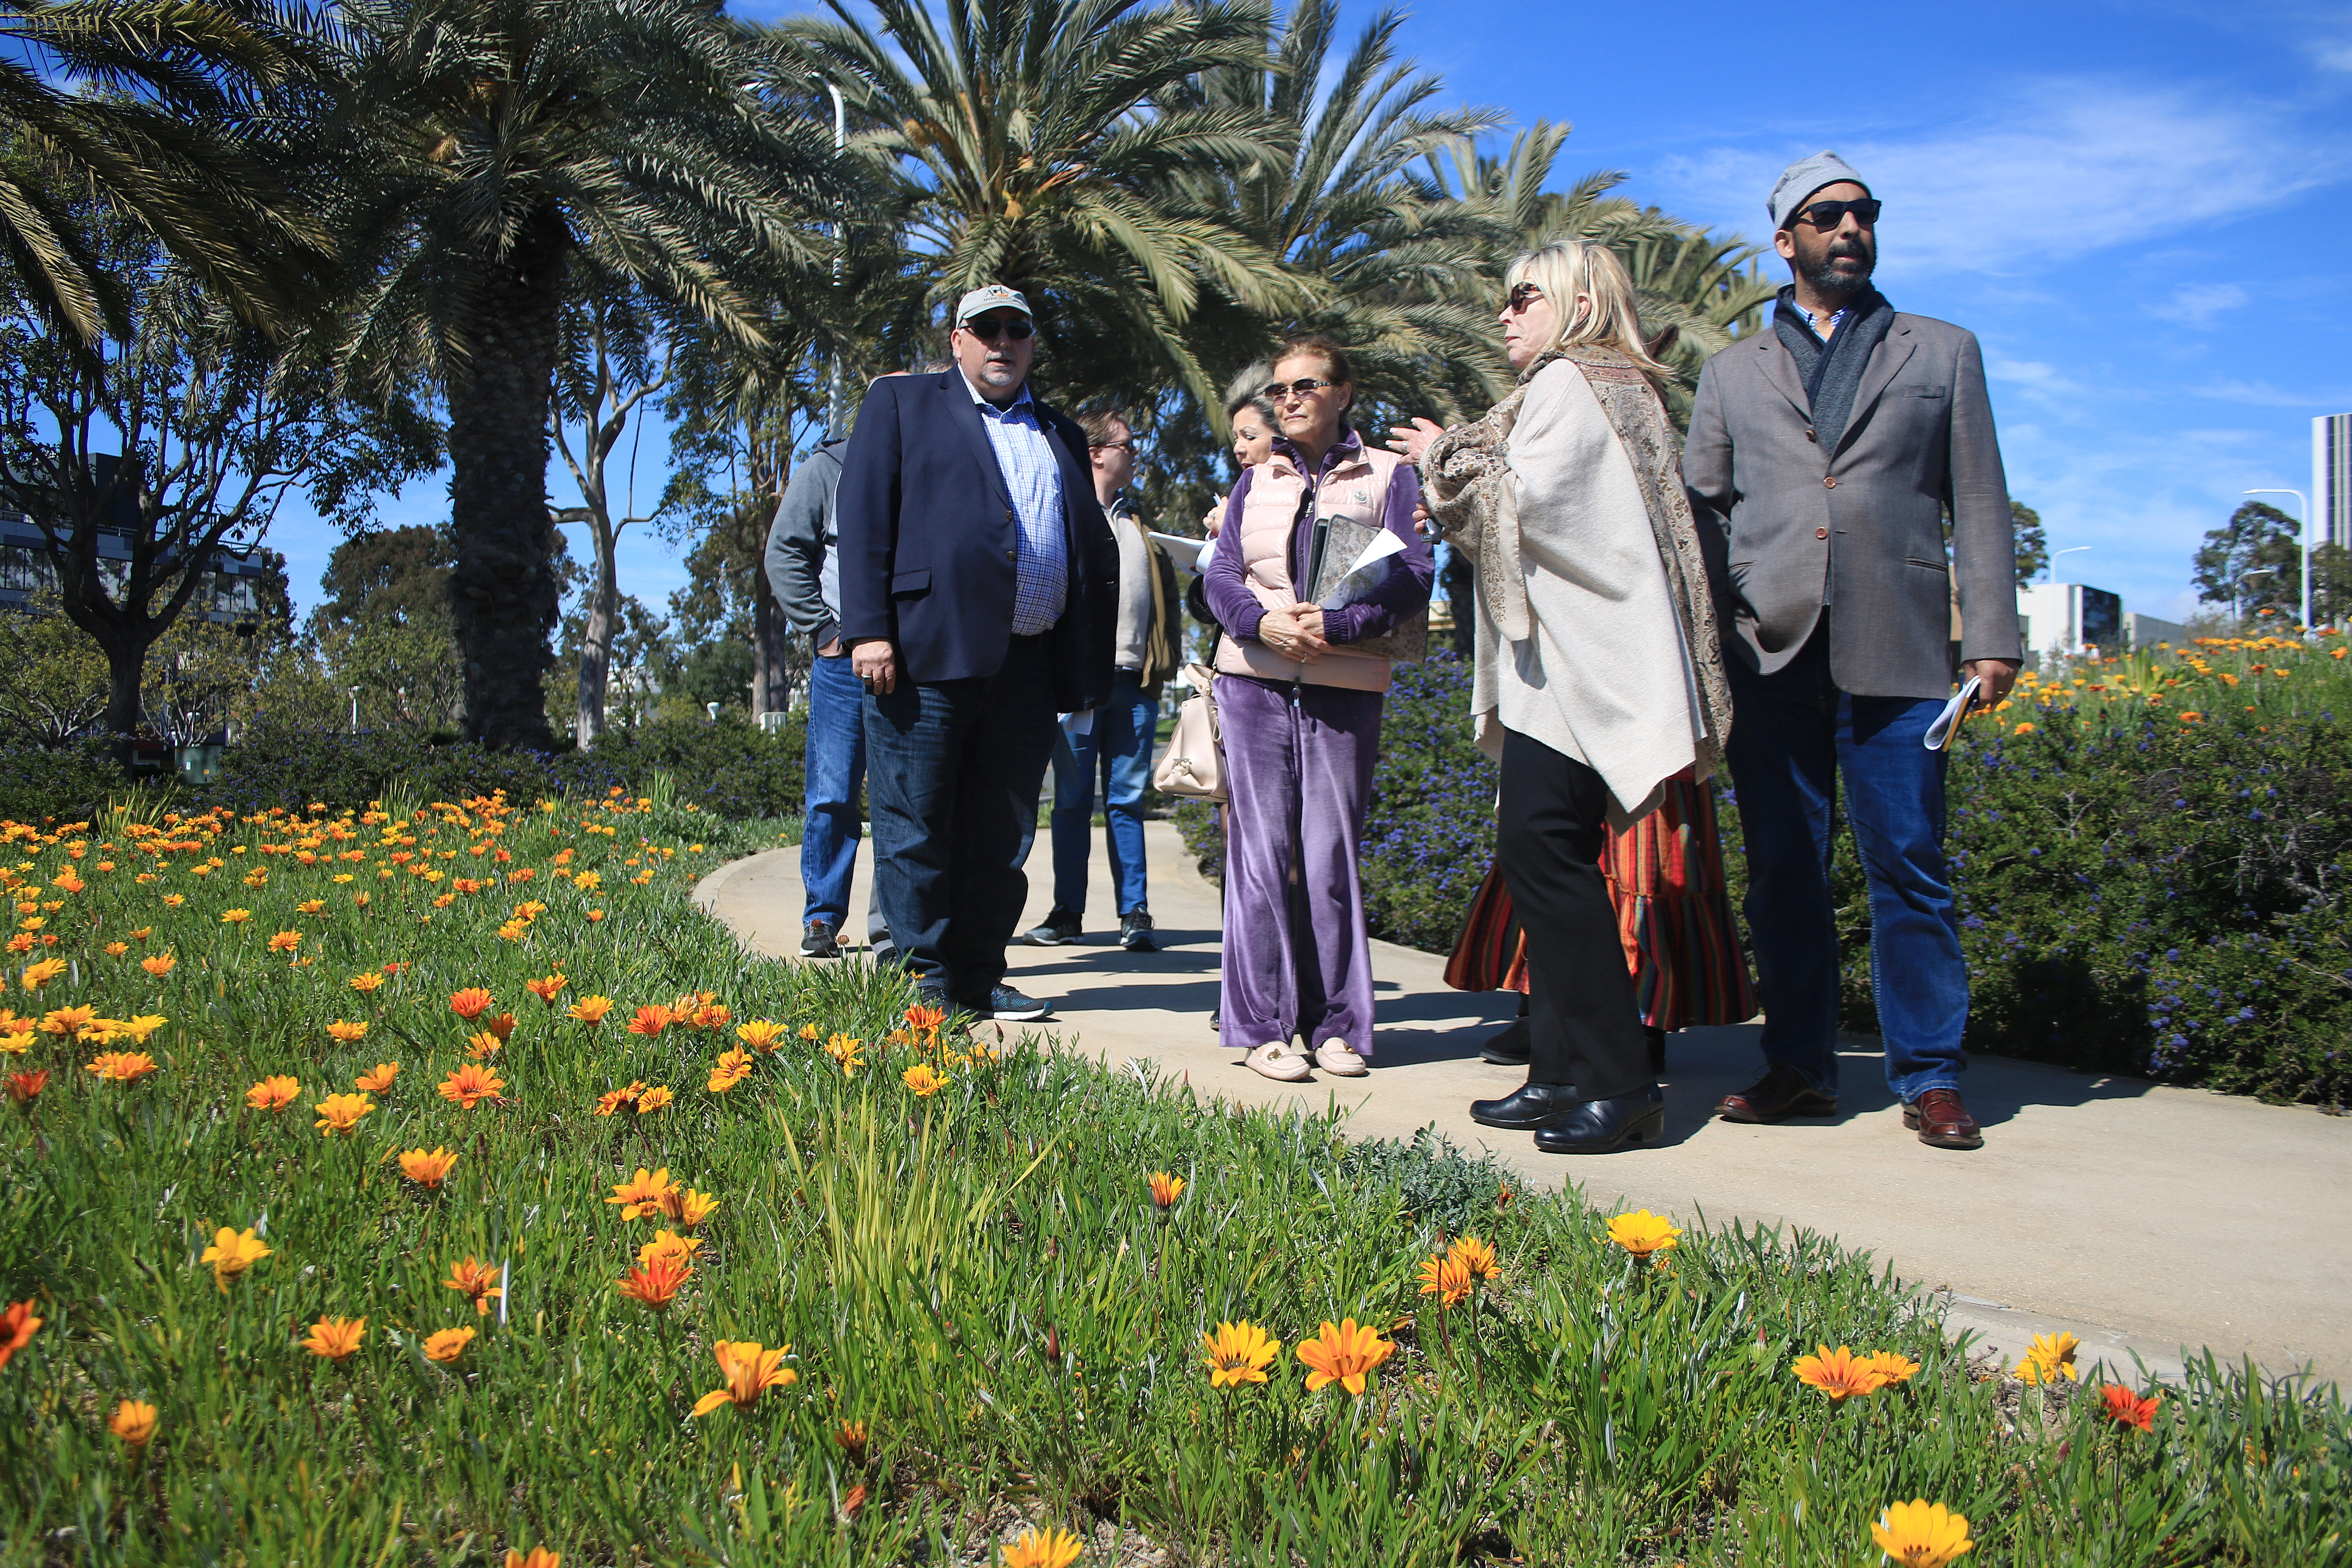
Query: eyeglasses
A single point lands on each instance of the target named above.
(1521, 296)
(1827, 215)
(1110, 446)
(988, 329)
(1305, 386)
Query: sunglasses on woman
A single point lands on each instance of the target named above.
(1305, 386)
(1827, 215)
(1521, 296)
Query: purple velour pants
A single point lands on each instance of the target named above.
(1298, 958)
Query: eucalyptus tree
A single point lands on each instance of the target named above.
(162, 109)
(1040, 143)
(480, 148)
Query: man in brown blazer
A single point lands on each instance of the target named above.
(1828, 450)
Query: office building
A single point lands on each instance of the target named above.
(2331, 479)
(2061, 618)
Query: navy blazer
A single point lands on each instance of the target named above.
(927, 540)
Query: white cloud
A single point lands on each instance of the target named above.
(2196, 304)
(2261, 395)
(2060, 168)
(2032, 377)
(2334, 56)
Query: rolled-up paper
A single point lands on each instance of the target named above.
(1940, 732)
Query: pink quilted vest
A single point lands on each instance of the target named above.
(1355, 488)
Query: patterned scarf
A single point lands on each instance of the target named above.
(1466, 481)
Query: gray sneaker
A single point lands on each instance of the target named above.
(817, 940)
(1009, 1006)
(1061, 926)
(1135, 931)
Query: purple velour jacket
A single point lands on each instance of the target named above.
(1400, 595)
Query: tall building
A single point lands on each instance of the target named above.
(2331, 479)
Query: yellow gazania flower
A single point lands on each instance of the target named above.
(379, 1081)
(448, 1344)
(232, 1253)
(2050, 1358)
(67, 1023)
(15, 1043)
(336, 1339)
(346, 1031)
(1922, 1534)
(1447, 1277)
(761, 1034)
(339, 1114)
(1476, 1256)
(1839, 1374)
(366, 984)
(275, 1092)
(808, 1033)
(158, 965)
(482, 1045)
(1043, 1549)
(310, 906)
(1642, 1233)
(687, 1207)
(117, 949)
(141, 1026)
(1165, 1189)
(923, 1080)
(843, 1049)
(428, 1168)
(590, 1009)
(669, 1244)
(642, 1194)
(477, 1280)
(1345, 1353)
(540, 1557)
(1890, 1367)
(653, 1099)
(36, 976)
(134, 1423)
(120, 1066)
(751, 1370)
(236, 917)
(173, 900)
(1238, 1353)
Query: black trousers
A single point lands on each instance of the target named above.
(1585, 1024)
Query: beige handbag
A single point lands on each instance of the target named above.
(1194, 765)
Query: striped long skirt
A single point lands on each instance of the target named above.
(1673, 919)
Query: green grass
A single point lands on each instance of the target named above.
(979, 1277)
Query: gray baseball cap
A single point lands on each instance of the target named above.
(1800, 179)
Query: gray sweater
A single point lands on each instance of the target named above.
(804, 558)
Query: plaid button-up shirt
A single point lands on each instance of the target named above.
(1041, 582)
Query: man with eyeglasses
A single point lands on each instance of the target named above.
(979, 586)
(1829, 451)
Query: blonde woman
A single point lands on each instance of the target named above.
(1599, 676)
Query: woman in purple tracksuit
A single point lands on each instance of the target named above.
(1299, 707)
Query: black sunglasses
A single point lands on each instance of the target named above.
(1110, 446)
(1827, 215)
(1521, 296)
(1305, 386)
(988, 329)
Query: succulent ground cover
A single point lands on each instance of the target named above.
(437, 1187)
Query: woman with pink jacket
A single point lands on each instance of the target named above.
(1298, 703)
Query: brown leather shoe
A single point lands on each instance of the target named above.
(1782, 1092)
(1942, 1122)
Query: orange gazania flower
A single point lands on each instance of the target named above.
(641, 1194)
(17, 1326)
(286, 941)
(2125, 1408)
(657, 1283)
(482, 1045)
(687, 1206)
(733, 1067)
(378, 1081)
(923, 1080)
(133, 1422)
(428, 1168)
(339, 1114)
(606, 1104)
(751, 1370)
(275, 1092)
(471, 1002)
(448, 1344)
(1043, 1549)
(540, 1557)
(1839, 1372)
(1447, 1277)
(1890, 1367)
(24, 1088)
(477, 1280)
(158, 965)
(469, 1083)
(670, 1245)
(1165, 1189)
(925, 1020)
(1346, 1353)
(545, 990)
(590, 1009)
(121, 1066)
(651, 1020)
(499, 1025)
(67, 1023)
(345, 1032)
(310, 906)
(1476, 1256)
(336, 1339)
(653, 1099)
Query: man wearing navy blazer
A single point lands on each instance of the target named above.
(979, 597)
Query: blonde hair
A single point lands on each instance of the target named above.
(1567, 268)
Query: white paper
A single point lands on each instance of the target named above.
(1940, 733)
(1365, 572)
(1078, 725)
(1191, 555)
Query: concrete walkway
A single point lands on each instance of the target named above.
(2144, 1219)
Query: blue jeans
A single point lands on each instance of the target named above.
(1794, 732)
(1118, 747)
(835, 765)
(953, 790)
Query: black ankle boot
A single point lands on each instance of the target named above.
(1596, 1127)
(1526, 1108)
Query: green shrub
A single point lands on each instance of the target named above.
(74, 782)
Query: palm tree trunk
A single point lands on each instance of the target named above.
(504, 590)
(596, 644)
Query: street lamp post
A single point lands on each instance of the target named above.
(2302, 527)
(2056, 553)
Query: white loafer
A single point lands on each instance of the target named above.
(1276, 1060)
(1339, 1060)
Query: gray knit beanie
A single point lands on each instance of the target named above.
(1800, 179)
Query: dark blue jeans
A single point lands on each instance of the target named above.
(835, 765)
(952, 781)
(1118, 748)
(1793, 733)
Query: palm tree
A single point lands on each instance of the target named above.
(1037, 147)
(480, 146)
(165, 120)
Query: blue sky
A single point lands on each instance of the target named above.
(2144, 212)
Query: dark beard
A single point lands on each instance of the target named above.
(1828, 281)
